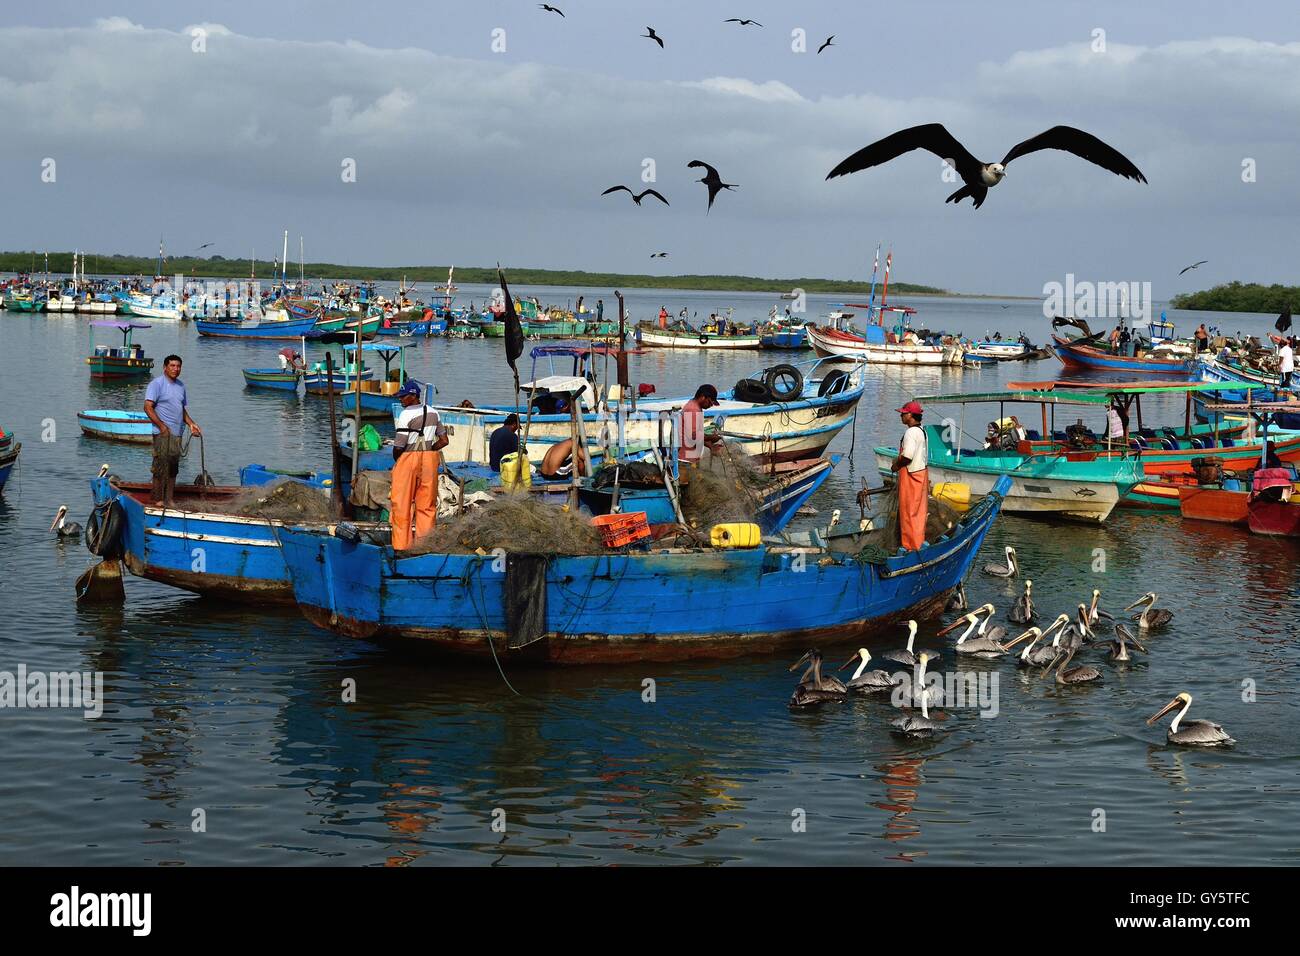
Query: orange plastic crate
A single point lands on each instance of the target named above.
(624, 529)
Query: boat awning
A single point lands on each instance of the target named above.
(120, 326)
(1254, 408)
(557, 385)
(1037, 397)
(375, 347)
(1132, 388)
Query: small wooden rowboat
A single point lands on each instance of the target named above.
(273, 378)
(114, 425)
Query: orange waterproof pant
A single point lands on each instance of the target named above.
(913, 496)
(415, 487)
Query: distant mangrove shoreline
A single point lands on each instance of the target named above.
(1239, 297)
(218, 267)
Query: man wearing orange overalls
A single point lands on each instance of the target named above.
(415, 467)
(910, 466)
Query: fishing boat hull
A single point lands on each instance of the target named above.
(1000, 351)
(778, 432)
(1088, 357)
(832, 343)
(668, 339)
(114, 425)
(165, 313)
(1212, 503)
(9, 450)
(220, 555)
(263, 330)
(707, 604)
(1274, 518)
(271, 378)
(118, 367)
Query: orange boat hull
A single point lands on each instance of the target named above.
(1207, 503)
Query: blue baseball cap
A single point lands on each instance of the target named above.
(410, 387)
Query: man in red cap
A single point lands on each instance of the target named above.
(910, 467)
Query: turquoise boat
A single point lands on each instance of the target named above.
(114, 425)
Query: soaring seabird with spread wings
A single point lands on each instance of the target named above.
(978, 177)
(637, 197)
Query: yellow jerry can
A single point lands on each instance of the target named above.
(515, 473)
(954, 494)
(740, 534)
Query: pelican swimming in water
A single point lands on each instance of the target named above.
(1119, 646)
(958, 600)
(820, 689)
(986, 643)
(1194, 733)
(908, 654)
(1022, 612)
(922, 725)
(1150, 616)
(1008, 570)
(1066, 675)
(869, 682)
(1095, 614)
(62, 527)
(1034, 655)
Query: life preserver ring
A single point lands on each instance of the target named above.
(704, 339)
(104, 530)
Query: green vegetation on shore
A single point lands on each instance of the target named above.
(1240, 297)
(221, 268)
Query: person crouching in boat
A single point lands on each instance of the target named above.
(910, 467)
(420, 435)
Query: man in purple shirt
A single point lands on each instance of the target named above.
(165, 404)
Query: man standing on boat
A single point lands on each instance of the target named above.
(420, 435)
(910, 467)
(167, 406)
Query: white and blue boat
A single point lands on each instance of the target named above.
(116, 425)
(660, 604)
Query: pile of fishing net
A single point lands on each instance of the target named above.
(287, 500)
(517, 524)
(884, 540)
(727, 486)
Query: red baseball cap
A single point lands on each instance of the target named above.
(912, 408)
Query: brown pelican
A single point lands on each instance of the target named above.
(958, 600)
(1150, 616)
(983, 644)
(1035, 656)
(869, 682)
(913, 725)
(1194, 733)
(1083, 674)
(1119, 646)
(62, 527)
(907, 655)
(1008, 570)
(820, 689)
(1022, 612)
(1095, 614)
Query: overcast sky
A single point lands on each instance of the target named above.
(467, 155)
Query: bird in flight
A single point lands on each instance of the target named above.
(979, 177)
(636, 198)
(711, 179)
(743, 23)
(659, 255)
(651, 35)
(550, 9)
(204, 246)
(1194, 265)
(827, 43)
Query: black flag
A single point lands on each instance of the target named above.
(514, 331)
(1284, 320)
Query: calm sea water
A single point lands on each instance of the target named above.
(237, 711)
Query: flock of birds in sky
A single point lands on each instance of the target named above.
(981, 639)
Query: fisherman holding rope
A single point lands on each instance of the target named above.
(167, 406)
(420, 434)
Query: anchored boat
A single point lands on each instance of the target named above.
(9, 450)
(126, 361)
(666, 604)
(115, 425)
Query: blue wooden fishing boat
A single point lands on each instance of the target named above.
(272, 378)
(117, 362)
(1089, 356)
(194, 548)
(9, 450)
(116, 425)
(1211, 370)
(257, 329)
(377, 398)
(783, 334)
(666, 604)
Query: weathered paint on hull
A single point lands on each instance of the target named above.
(1276, 519)
(1213, 504)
